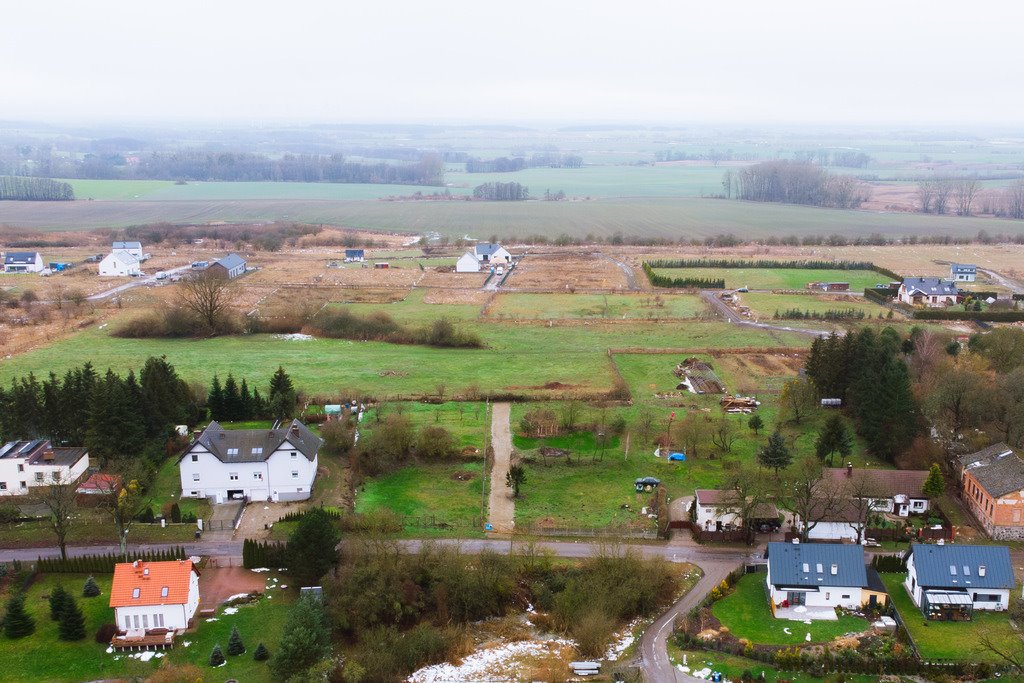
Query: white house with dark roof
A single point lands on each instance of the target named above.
(23, 262)
(28, 464)
(715, 510)
(276, 464)
(468, 263)
(951, 581)
(805, 576)
(489, 253)
(933, 292)
(120, 263)
(133, 248)
(963, 272)
(231, 266)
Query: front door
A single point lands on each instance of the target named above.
(796, 598)
(873, 601)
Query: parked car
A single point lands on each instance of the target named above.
(161, 275)
(744, 290)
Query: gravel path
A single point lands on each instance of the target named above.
(626, 269)
(502, 507)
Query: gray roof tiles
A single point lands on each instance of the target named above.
(486, 249)
(957, 566)
(930, 286)
(997, 468)
(256, 445)
(231, 261)
(20, 257)
(786, 562)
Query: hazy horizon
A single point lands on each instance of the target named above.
(662, 63)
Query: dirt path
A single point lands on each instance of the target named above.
(626, 270)
(501, 506)
(726, 312)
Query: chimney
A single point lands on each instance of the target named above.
(981, 570)
(295, 429)
(835, 569)
(145, 572)
(849, 469)
(135, 564)
(48, 455)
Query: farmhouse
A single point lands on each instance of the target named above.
(231, 266)
(820, 575)
(993, 488)
(28, 464)
(489, 253)
(278, 464)
(468, 263)
(892, 491)
(927, 291)
(963, 272)
(148, 596)
(120, 263)
(23, 262)
(949, 582)
(355, 255)
(715, 510)
(133, 248)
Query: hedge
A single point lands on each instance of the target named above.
(881, 295)
(987, 316)
(682, 282)
(264, 554)
(104, 564)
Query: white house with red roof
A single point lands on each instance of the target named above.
(154, 595)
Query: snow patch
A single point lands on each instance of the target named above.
(489, 664)
(259, 569)
(110, 650)
(213, 619)
(230, 610)
(237, 596)
(294, 337)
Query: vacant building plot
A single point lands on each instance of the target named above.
(414, 308)
(765, 306)
(754, 373)
(524, 306)
(432, 277)
(566, 272)
(472, 297)
(778, 278)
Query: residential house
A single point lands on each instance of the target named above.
(278, 464)
(949, 582)
(28, 464)
(933, 292)
(357, 255)
(120, 264)
(822, 575)
(231, 266)
(133, 248)
(468, 263)
(715, 510)
(841, 520)
(891, 491)
(993, 488)
(489, 253)
(98, 489)
(154, 595)
(963, 272)
(23, 262)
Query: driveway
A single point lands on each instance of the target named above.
(502, 507)
(135, 283)
(626, 269)
(726, 312)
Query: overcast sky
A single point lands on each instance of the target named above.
(647, 61)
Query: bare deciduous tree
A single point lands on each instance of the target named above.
(208, 297)
(808, 495)
(1014, 199)
(943, 188)
(724, 433)
(964, 192)
(59, 499)
(925, 196)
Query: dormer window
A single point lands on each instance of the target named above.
(163, 592)
(136, 592)
(232, 451)
(258, 450)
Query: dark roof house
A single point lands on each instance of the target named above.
(996, 468)
(816, 564)
(929, 286)
(256, 445)
(962, 566)
(231, 266)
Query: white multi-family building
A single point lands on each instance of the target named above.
(28, 464)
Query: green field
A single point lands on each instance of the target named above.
(765, 305)
(663, 217)
(779, 278)
(411, 309)
(611, 306)
(747, 614)
(35, 658)
(447, 493)
(952, 639)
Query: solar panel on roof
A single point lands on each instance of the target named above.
(6, 447)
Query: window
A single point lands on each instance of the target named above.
(163, 592)
(846, 597)
(127, 622)
(986, 597)
(158, 620)
(195, 458)
(135, 593)
(828, 595)
(195, 476)
(21, 467)
(194, 493)
(295, 474)
(294, 455)
(136, 619)
(257, 475)
(39, 477)
(3, 485)
(232, 451)
(257, 451)
(24, 485)
(145, 621)
(233, 476)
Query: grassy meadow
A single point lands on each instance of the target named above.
(779, 278)
(610, 306)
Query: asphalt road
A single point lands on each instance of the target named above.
(724, 310)
(135, 283)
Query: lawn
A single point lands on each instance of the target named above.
(412, 309)
(166, 487)
(91, 528)
(747, 614)
(765, 306)
(449, 493)
(949, 639)
(732, 667)
(612, 306)
(779, 278)
(33, 658)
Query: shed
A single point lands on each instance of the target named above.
(231, 266)
(381, 265)
(355, 255)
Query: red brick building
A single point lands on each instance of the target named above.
(993, 488)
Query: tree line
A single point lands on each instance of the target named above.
(501, 192)
(682, 282)
(795, 182)
(20, 188)
(246, 166)
(511, 164)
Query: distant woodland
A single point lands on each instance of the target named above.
(794, 182)
(34, 189)
(508, 165)
(501, 192)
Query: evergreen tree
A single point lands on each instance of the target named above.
(935, 484)
(215, 401)
(261, 654)
(756, 424)
(312, 547)
(58, 601)
(775, 455)
(834, 438)
(116, 424)
(165, 396)
(306, 639)
(282, 398)
(245, 401)
(235, 644)
(72, 621)
(91, 589)
(232, 400)
(259, 405)
(17, 622)
(216, 657)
